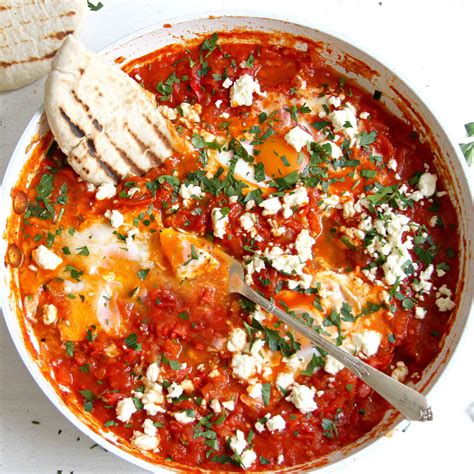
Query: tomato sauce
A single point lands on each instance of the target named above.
(185, 325)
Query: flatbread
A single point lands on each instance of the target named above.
(31, 31)
(103, 120)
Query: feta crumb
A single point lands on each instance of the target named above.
(183, 417)
(304, 244)
(276, 423)
(334, 101)
(143, 441)
(367, 341)
(243, 366)
(229, 405)
(284, 380)
(45, 258)
(106, 191)
(149, 428)
(296, 198)
(443, 299)
(247, 458)
(237, 340)
(303, 398)
(283, 262)
(174, 391)
(243, 89)
(420, 312)
(271, 206)
(218, 103)
(219, 222)
(152, 372)
(298, 138)
(125, 409)
(400, 372)
(238, 442)
(433, 221)
(248, 221)
(427, 184)
(187, 385)
(50, 314)
(116, 218)
(215, 406)
(332, 366)
(280, 459)
(190, 191)
(341, 118)
(392, 164)
(255, 390)
(227, 83)
(191, 112)
(364, 115)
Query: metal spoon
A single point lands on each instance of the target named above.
(407, 401)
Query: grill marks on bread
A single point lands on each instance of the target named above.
(103, 120)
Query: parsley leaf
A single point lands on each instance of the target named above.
(266, 392)
(95, 7)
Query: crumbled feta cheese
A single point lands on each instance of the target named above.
(348, 209)
(294, 199)
(367, 341)
(276, 423)
(238, 442)
(283, 262)
(184, 417)
(229, 405)
(190, 191)
(187, 385)
(125, 409)
(334, 101)
(50, 314)
(258, 315)
(237, 340)
(243, 89)
(152, 372)
(248, 221)
(255, 390)
(247, 458)
(168, 112)
(364, 115)
(106, 191)
(392, 164)
(341, 118)
(218, 103)
(332, 366)
(400, 372)
(149, 428)
(271, 206)
(252, 265)
(91, 187)
(304, 244)
(427, 184)
(227, 83)
(174, 391)
(216, 406)
(302, 398)
(420, 312)
(423, 285)
(336, 151)
(433, 221)
(116, 218)
(191, 112)
(45, 258)
(280, 459)
(298, 138)
(284, 380)
(219, 222)
(152, 398)
(443, 299)
(143, 441)
(244, 366)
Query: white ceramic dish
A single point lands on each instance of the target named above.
(349, 60)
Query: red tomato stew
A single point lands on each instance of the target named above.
(332, 204)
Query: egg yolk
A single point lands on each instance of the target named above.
(278, 158)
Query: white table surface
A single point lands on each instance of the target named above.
(430, 43)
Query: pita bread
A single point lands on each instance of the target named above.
(30, 34)
(103, 120)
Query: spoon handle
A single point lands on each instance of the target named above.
(409, 402)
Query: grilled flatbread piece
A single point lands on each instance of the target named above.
(103, 120)
(31, 31)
